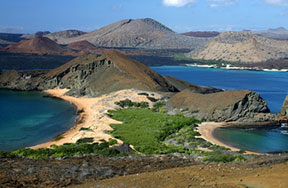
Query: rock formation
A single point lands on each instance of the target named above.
(241, 105)
(242, 47)
(284, 109)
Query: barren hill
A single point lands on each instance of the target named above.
(37, 45)
(61, 36)
(139, 33)
(242, 47)
(279, 33)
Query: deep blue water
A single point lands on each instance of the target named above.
(27, 118)
(272, 86)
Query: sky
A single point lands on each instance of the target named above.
(29, 16)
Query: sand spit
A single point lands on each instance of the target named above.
(94, 115)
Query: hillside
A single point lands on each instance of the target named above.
(139, 33)
(61, 36)
(242, 47)
(37, 45)
(81, 45)
(201, 34)
(279, 33)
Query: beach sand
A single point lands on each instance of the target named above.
(94, 115)
(206, 130)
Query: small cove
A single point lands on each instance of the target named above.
(272, 86)
(29, 118)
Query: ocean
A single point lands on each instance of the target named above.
(28, 118)
(272, 86)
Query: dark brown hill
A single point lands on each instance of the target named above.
(82, 45)
(37, 45)
(93, 75)
(236, 105)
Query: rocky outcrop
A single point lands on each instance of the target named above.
(241, 105)
(284, 109)
(182, 85)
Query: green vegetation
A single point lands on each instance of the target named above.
(85, 140)
(67, 149)
(223, 157)
(129, 103)
(86, 129)
(152, 131)
(59, 137)
(146, 130)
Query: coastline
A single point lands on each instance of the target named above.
(93, 115)
(206, 130)
(236, 68)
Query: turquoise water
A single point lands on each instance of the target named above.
(272, 86)
(27, 118)
(256, 140)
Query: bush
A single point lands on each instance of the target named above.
(85, 140)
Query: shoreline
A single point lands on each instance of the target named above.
(235, 68)
(94, 116)
(206, 130)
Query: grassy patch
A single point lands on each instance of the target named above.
(146, 130)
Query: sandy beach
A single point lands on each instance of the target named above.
(94, 115)
(206, 130)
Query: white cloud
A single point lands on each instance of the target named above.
(222, 3)
(177, 3)
(277, 2)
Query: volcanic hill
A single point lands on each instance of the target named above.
(139, 33)
(242, 47)
(37, 45)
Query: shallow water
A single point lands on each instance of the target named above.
(272, 86)
(256, 140)
(27, 118)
